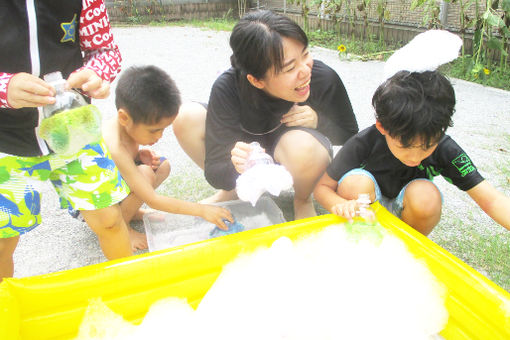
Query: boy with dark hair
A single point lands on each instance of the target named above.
(396, 159)
(147, 101)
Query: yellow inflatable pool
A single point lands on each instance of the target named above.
(52, 306)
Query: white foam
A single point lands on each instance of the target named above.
(325, 286)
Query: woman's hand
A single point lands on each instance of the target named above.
(27, 90)
(303, 116)
(90, 82)
(240, 154)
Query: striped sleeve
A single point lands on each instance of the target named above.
(102, 55)
(4, 81)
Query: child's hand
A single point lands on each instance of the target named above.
(150, 158)
(240, 154)
(346, 209)
(300, 115)
(215, 214)
(26, 90)
(90, 82)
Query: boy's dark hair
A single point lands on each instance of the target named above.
(256, 42)
(415, 105)
(148, 94)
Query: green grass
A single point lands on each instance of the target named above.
(185, 187)
(462, 68)
(486, 252)
(218, 24)
(370, 49)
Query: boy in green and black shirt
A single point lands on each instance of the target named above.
(396, 159)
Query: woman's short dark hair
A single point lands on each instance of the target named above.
(256, 42)
(415, 105)
(148, 94)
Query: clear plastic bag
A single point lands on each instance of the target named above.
(65, 99)
(71, 123)
(261, 175)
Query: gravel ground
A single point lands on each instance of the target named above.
(194, 57)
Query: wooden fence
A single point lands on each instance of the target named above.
(399, 30)
(146, 10)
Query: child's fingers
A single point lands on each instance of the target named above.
(156, 161)
(90, 82)
(29, 100)
(39, 88)
(227, 215)
(102, 92)
(221, 224)
(347, 211)
(26, 90)
(79, 78)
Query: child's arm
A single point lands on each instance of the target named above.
(325, 193)
(101, 55)
(144, 191)
(493, 202)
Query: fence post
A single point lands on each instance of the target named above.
(443, 12)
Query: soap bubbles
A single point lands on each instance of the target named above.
(328, 285)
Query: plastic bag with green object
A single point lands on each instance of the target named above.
(68, 131)
(70, 123)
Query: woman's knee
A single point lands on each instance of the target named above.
(191, 116)
(299, 149)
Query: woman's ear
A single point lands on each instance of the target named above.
(255, 82)
(379, 127)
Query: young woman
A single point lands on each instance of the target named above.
(277, 95)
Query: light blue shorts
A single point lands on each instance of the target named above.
(394, 205)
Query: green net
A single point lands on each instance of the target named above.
(362, 230)
(68, 131)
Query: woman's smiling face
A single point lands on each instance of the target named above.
(292, 83)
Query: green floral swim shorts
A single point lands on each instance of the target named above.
(87, 180)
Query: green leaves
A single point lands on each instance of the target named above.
(505, 6)
(493, 20)
(496, 44)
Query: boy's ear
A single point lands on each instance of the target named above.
(255, 82)
(379, 127)
(123, 117)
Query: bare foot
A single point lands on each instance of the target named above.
(220, 196)
(137, 239)
(304, 209)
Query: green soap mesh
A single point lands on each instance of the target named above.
(362, 230)
(68, 131)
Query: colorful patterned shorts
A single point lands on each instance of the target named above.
(87, 180)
